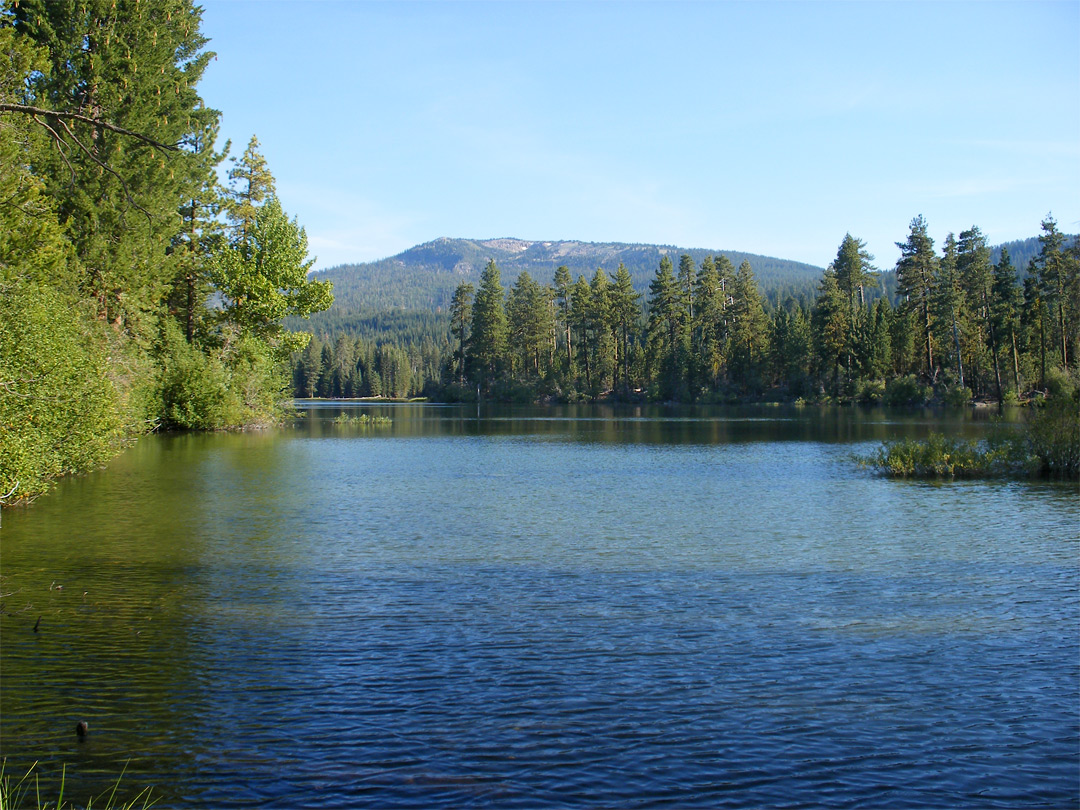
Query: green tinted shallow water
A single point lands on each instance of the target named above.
(571, 606)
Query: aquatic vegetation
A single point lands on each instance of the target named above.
(941, 456)
(26, 792)
(1047, 447)
(364, 420)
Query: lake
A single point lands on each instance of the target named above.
(574, 606)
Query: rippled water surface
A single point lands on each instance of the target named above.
(570, 607)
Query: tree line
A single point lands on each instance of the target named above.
(137, 289)
(959, 327)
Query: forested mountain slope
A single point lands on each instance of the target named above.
(424, 277)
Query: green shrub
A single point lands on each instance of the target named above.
(194, 387)
(959, 396)
(907, 391)
(1054, 430)
(257, 384)
(60, 411)
(870, 392)
(940, 457)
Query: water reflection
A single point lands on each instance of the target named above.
(654, 423)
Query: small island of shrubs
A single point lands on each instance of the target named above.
(1048, 446)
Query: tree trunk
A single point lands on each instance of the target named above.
(956, 345)
(1016, 362)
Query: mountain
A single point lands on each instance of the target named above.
(423, 278)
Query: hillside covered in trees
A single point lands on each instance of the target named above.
(423, 278)
(136, 290)
(963, 322)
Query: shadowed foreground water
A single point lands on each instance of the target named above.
(571, 607)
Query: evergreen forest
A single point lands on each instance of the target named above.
(145, 271)
(954, 323)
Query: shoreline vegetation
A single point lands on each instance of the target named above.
(143, 279)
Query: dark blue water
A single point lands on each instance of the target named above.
(567, 608)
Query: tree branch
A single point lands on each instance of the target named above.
(26, 109)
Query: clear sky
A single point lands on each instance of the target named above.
(772, 128)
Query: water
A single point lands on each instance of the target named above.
(570, 607)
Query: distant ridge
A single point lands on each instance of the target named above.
(424, 277)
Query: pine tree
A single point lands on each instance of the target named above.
(878, 352)
(134, 64)
(250, 186)
(562, 285)
(1058, 273)
(603, 329)
(749, 329)
(489, 327)
(201, 238)
(854, 273)
(460, 318)
(663, 329)
(1006, 301)
(948, 301)
(707, 326)
(581, 321)
(916, 271)
(529, 323)
(976, 277)
(625, 312)
(830, 320)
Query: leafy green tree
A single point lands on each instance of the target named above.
(59, 410)
(264, 278)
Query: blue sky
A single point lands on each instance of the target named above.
(772, 128)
